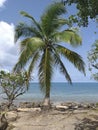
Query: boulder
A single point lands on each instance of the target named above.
(59, 107)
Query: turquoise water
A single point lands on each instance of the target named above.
(63, 92)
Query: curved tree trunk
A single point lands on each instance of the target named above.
(3, 122)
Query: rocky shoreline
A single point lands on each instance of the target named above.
(60, 106)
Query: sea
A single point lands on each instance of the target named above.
(62, 92)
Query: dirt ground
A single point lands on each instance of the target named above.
(55, 120)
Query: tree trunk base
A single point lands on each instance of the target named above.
(46, 104)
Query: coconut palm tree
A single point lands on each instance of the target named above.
(41, 46)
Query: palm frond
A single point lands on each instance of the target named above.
(45, 71)
(23, 59)
(61, 66)
(73, 57)
(28, 47)
(33, 63)
(50, 18)
(32, 43)
(25, 14)
(68, 36)
(24, 30)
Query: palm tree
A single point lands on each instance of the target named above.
(41, 44)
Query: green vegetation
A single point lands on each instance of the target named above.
(13, 85)
(93, 60)
(41, 46)
(86, 10)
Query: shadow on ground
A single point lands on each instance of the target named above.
(87, 124)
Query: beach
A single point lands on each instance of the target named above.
(53, 119)
(72, 108)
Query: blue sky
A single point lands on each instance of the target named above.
(9, 17)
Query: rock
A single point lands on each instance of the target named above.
(85, 106)
(29, 104)
(92, 105)
(70, 105)
(25, 104)
(29, 109)
(80, 106)
(75, 107)
(59, 107)
(39, 104)
(11, 116)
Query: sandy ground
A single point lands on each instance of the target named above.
(56, 120)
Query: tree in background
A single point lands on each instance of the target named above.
(13, 85)
(93, 60)
(41, 46)
(86, 9)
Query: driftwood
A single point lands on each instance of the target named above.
(3, 122)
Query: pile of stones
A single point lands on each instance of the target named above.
(62, 106)
(75, 106)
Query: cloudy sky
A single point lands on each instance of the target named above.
(9, 51)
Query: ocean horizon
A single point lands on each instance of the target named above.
(62, 92)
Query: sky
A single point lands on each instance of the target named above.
(9, 51)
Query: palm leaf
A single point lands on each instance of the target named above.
(23, 59)
(73, 57)
(32, 43)
(29, 16)
(33, 63)
(50, 18)
(68, 36)
(28, 48)
(61, 66)
(23, 30)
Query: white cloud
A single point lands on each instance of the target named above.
(8, 50)
(2, 2)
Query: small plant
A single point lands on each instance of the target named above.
(97, 104)
(13, 85)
